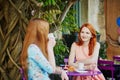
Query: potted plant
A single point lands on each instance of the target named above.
(70, 28)
(98, 36)
(102, 51)
(61, 51)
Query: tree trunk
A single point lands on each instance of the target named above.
(14, 16)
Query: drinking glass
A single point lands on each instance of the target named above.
(66, 63)
(92, 68)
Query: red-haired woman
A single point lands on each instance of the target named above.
(85, 51)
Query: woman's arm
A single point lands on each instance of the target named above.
(51, 57)
(35, 54)
(72, 56)
(59, 70)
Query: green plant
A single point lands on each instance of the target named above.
(69, 24)
(102, 51)
(61, 51)
(13, 28)
(97, 32)
(98, 36)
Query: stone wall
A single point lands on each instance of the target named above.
(92, 11)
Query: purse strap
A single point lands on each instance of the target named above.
(22, 73)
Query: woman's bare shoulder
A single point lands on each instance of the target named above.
(98, 44)
(74, 44)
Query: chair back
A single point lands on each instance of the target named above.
(22, 74)
(116, 59)
(107, 65)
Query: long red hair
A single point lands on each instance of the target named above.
(92, 40)
(37, 33)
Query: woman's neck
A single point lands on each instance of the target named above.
(85, 43)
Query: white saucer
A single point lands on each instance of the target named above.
(81, 71)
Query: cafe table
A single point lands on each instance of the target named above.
(82, 73)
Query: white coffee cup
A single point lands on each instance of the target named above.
(81, 66)
(51, 35)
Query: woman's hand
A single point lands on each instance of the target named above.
(50, 46)
(64, 75)
(51, 41)
(93, 66)
(90, 66)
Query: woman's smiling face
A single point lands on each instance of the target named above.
(85, 34)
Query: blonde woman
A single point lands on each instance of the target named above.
(37, 57)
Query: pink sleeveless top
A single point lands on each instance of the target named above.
(79, 54)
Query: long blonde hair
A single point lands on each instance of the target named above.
(37, 33)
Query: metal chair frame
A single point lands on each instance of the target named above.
(106, 65)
